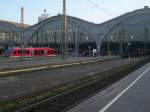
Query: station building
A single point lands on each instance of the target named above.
(10, 34)
(128, 33)
(10, 31)
(81, 35)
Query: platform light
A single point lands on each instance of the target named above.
(69, 38)
(108, 47)
(87, 38)
(131, 37)
(111, 37)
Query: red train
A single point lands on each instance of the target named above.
(32, 52)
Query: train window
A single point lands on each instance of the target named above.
(39, 52)
(35, 52)
(52, 52)
(15, 52)
(27, 51)
(49, 52)
(21, 51)
(42, 52)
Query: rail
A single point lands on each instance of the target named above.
(64, 101)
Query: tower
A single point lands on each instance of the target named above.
(22, 15)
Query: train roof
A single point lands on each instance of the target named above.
(34, 48)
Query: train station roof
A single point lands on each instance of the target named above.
(99, 30)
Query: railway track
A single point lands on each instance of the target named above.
(23, 69)
(64, 101)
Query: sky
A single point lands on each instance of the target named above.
(103, 10)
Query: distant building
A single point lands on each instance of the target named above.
(43, 16)
(10, 33)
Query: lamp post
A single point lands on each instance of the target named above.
(12, 41)
(22, 32)
(64, 29)
(98, 50)
(129, 44)
(131, 38)
(122, 36)
(89, 48)
(146, 31)
(109, 52)
(22, 43)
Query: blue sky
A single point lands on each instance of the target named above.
(10, 9)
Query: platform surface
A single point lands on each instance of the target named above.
(130, 94)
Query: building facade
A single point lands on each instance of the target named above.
(129, 33)
(10, 33)
(80, 34)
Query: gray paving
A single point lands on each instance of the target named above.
(135, 99)
(23, 84)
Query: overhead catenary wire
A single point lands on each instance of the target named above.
(98, 7)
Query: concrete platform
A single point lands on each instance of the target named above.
(28, 63)
(131, 94)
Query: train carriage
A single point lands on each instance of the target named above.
(33, 52)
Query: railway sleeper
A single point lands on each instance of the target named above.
(68, 102)
(54, 106)
(52, 109)
(85, 91)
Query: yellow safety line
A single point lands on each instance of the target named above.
(52, 66)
